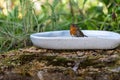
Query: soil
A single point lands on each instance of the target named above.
(43, 64)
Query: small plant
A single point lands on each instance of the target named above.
(15, 31)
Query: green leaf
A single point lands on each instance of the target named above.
(55, 2)
(118, 1)
(84, 2)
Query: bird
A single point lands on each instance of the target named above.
(75, 31)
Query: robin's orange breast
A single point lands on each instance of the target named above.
(73, 30)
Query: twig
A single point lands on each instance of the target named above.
(72, 11)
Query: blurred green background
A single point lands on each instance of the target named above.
(20, 18)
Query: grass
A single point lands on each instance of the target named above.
(55, 15)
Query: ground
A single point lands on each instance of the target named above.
(43, 64)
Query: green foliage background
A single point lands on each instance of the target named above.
(56, 15)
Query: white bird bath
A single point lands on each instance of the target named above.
(63, 40)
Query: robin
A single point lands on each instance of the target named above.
(75, 31)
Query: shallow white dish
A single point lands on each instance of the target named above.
(63, 40)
